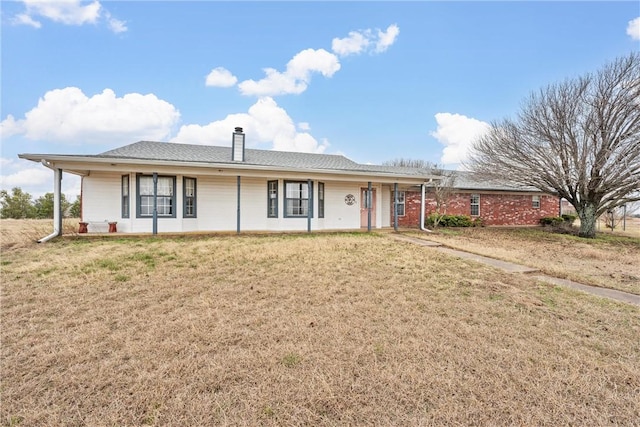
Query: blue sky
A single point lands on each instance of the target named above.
(371, 80)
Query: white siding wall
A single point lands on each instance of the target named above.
(101, 201)
(386, 205)
(217, 205)
(216, 200)
(253, 204)
(337, 214)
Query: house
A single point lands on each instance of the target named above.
(152, 187)
(496, 203)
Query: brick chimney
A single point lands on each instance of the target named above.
(237, 145)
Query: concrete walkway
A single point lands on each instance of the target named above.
(510, 267)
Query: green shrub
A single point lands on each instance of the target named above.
(478, 222)
(570, 218)
(551, 220)
(435, 219)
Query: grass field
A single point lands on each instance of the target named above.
(610, 260)
(348, 329)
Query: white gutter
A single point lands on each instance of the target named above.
(57, 214)
(422, 206)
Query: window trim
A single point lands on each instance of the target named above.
(125, 199)
(476, 204)
(308, 199)
(139, 196)
(184, 197)
(320, 199)
(269, 198)
(535, 201)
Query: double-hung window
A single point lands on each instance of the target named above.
(189, 195)
(475, 205)
(166, 196)
(321, 200)
(535, 202)
(401, 203)
(125, 196)
(272, 199)
(296, 202)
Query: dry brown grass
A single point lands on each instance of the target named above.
(611, 260)
(26, 232)
(632, 227)
(302, 330)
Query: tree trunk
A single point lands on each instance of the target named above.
(587, 215)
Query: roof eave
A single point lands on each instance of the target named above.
(83, 163)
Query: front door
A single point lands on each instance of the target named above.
(365, 202)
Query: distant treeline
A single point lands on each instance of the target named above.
(20, 205)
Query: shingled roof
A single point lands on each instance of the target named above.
(152, 150)
(468, 181)
(166, 151)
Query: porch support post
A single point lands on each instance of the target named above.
(309, 204)
(369, 202)
(238, 208)
(395, 207)
(57, 206)
(422, 206)
(155, 203)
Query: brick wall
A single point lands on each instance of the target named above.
(495, 208)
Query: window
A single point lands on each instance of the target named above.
(400, 203)
(475, 205)
(296, 202)
(272, 199)
(189, 192)
(535, 202)
(321, 200)
(125, 196)
(166, 198)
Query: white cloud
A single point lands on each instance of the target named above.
(457, 133)
(35, 179)
(633, 29)
(297, 75)
(304, 126)
(116, 25)
(69, 116)
(9, 127)
(24, 19)
(29, 177)
(309, 60)
(355, 43)
(67, 12)
(70, 12)
(386, 39)
(264, 123)
(367, 40)
(221, 77)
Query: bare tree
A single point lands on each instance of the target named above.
(442, 190)
(410, 163)
(579, 139)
